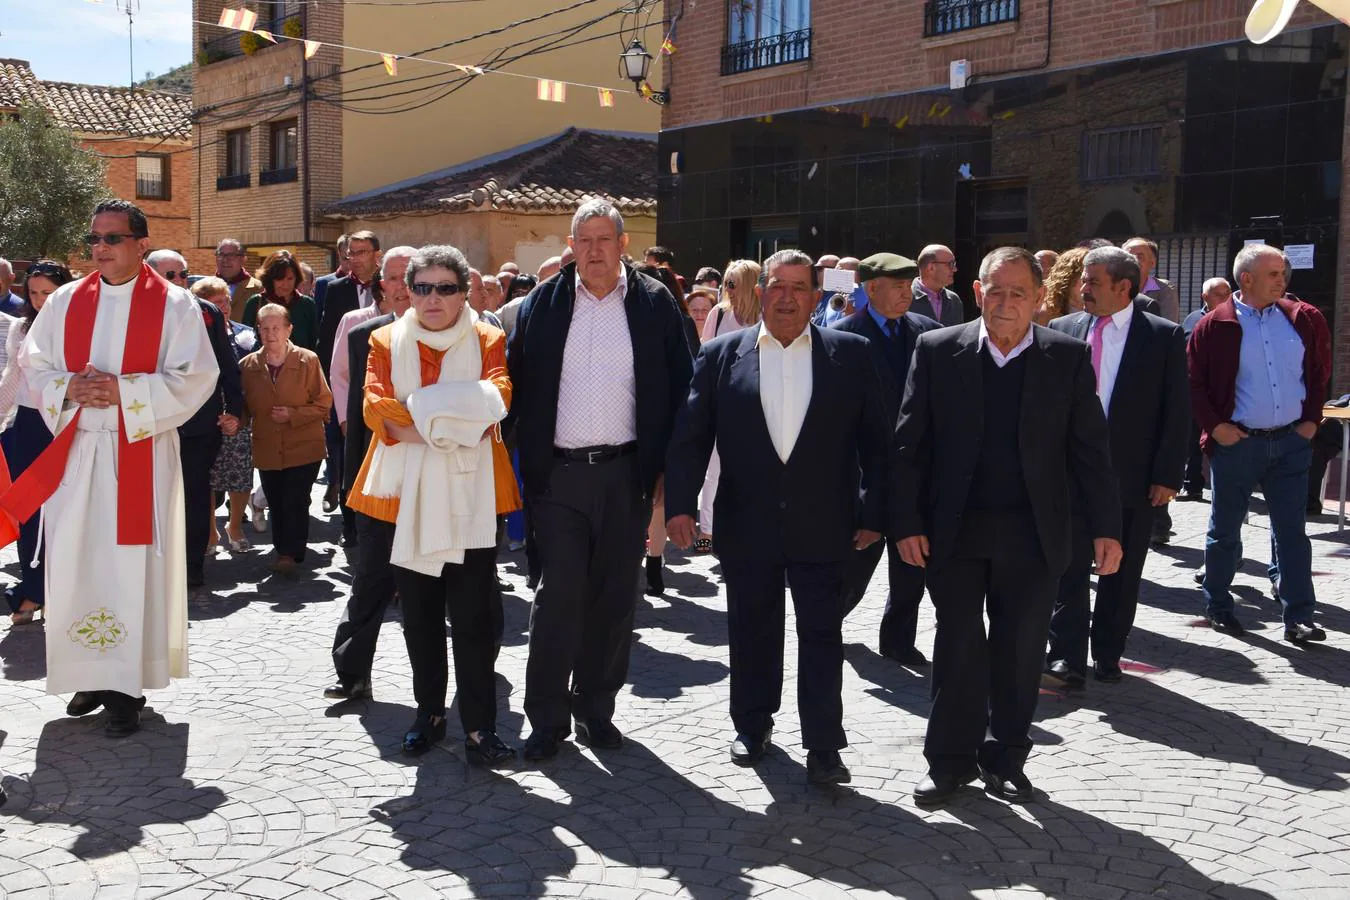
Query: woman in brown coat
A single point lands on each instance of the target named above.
(287, 401)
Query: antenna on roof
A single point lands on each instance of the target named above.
(130, 7)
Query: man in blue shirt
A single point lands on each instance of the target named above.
(1213, 292)
(10, 303)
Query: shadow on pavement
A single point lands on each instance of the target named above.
(663, 674)
(1219, 663)
(23, 653)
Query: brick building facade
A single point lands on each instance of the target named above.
(789, 125)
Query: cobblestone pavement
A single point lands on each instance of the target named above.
(1218, 768)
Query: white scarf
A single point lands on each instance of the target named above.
(447, 494)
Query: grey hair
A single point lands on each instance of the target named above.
(787, 257)
(1119, 264)
(1212, 283)
(930, 253)
(6, 267)
(1002, 255)
(594, 209)
(231, 242)
(155, 257)
(1246, 258)
(439, 256)
(402, 251)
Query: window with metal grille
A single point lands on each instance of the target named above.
(152, 177)
(1122, 152)
(283, 145)
(237, 159)
(763, 33)
(948, 16)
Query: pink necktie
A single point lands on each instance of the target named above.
(1095, 342)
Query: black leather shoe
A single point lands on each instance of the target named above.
(1226, 623)
(541, 745)
(1304, 632)
(488, 750)
(1191, 497)
(1108, 672)
(910, 657)
(426, 730)
(656, 582)
(599, 735)
(746, 751)
(124, 714)
(1013, 788)
(349, 690)
(532, 582)
(1058, 675)
(84, 702)
(196, 578)
(1199, 576)
(826, 767)
(938, 789)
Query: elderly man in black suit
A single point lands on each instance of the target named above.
(599, 365)
(1140, 363)
(999, 418)
(932, 295)
(804, 440)
(892, 329)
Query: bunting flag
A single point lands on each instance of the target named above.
(1005, 116)
(903, 121)
(468, 70)
(552, 91)
(668, 47)
(646, 91)
(390, 63)
(606, 97)
(866, 120)
(311, 48)
(265, 35)
(242, 19)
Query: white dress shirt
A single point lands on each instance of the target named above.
(785, 381)
(1113, 348)
(597, 393)
(999, 359)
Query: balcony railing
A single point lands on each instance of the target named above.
(776, 50)
(279, 176)
(233, 182)
(948, 16)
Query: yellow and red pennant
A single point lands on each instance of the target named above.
(552, 91)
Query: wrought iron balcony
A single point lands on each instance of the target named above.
(949, 16)
(776, 50)
(233, 182)
(279, 176)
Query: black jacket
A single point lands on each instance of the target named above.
(1062, 437)
(358, 435)
(861, 323)
(228, 397)
(833, 483)
(340, 298)
(1150, 412)
(662, 364)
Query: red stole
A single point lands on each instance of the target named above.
(135, 461)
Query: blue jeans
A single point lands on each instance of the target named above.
(1279, 466)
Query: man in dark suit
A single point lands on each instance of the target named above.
(599, 365)
(354, 291)
(1140, 363)
(372, 577)
(999, 418)
(804, 440)
(932, 297)
(892, 329)
(324, 282)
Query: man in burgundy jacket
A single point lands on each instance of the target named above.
(1259, 365)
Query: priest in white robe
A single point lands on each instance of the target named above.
(113, 513)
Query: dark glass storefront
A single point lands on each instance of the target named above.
(1201, 150)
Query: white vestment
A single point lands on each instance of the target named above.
(117, 615)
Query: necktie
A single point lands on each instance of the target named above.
(1095, 342)
(893, 326)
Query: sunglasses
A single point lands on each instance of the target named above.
(112, 240)
(173, 274)
(443, 288)
(48, 270)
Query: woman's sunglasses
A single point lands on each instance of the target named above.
(443, 288)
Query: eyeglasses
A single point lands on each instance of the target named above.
(946, 262)
(228, 254)
(173, 274)
(112, 240)
(729, 285)
(443, 288)
(48, 270)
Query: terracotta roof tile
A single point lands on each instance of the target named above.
(551, 177)
(96, 109)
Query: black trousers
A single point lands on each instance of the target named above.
(372, 589)
(198, 454)
(1117, 595)
(985, 686)
(23, 442)
(1194, 481)
(590, 525)
(900, 621)
(466, 591)
(756, 597)
(287, 491)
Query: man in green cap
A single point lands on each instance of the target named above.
(891, 330)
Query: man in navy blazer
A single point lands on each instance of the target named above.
(797, 414)
(892, 329)
(1140, 362)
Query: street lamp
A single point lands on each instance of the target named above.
(634, 64)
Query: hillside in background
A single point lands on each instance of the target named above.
(178, 80)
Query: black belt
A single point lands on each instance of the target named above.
(1266, 432)
(593, 455)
